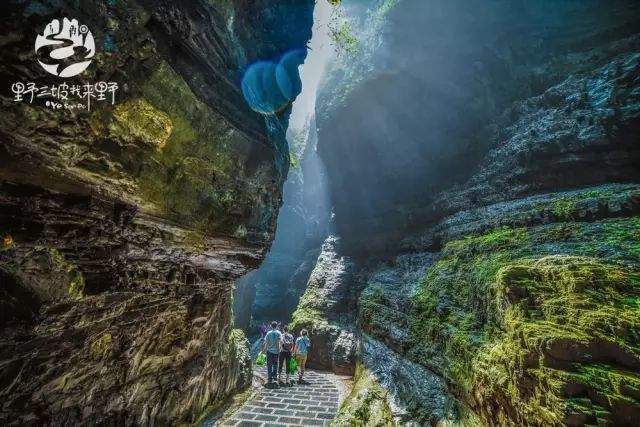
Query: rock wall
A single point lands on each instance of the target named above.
(367, 404)
(431, 87)
(272, 292)
(483, 168)
(327, 309)
(124, 227)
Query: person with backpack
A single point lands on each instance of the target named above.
(285, 354)
(272, 346)
(303, 343)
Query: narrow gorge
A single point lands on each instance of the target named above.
(444, 193)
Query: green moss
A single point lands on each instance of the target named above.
(366, 405)
(100, 347)
(294, 161)
(298, 139)
(341, 31)
(446, 315)
(370, 302)
(76, 285)
(615, 239)
(194, 178)
(59, 264)
(612, 383)
(543, 304)
(375, 314)
(498, 308)
(137, 120)
(564, 208)
(311, 313)
(194, 239)
(308, 314)
(498, 239)
(343, 38)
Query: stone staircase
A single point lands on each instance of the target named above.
(314, 403)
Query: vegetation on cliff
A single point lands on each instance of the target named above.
(326, 310)
(366, 405)
(191, 177)
(533, 326)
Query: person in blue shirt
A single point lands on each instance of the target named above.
(301, 350)
(272, 346)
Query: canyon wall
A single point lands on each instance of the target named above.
(483, 165)
(272, 292)
(125, 227)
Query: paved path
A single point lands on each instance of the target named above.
(312, 404)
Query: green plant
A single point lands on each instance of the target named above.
(342, 32)
(58, 263)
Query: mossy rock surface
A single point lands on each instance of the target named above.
(138, 120)
(366, 405)
(309, 314)
(326, 310)
(44, 272)
(100, 347)
(537, 326)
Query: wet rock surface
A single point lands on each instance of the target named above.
(417, 395)
(542, 108)
(124, 227)
(366, 404)
(584, 125)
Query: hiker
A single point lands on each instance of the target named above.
(271, 346)
(300, 350)
(285, 354)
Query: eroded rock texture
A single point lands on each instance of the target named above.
(327, 309)
(272, 292)
(483, 163)
(549, 86)
(124, 227)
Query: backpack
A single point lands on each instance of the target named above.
(271, 341)
(303, 344)
(287, 342)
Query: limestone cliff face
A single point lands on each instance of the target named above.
(327, 310)
(483, 164)
(273, 291)
(440, 84)
(124, 227)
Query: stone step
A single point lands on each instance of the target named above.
(313, 403)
